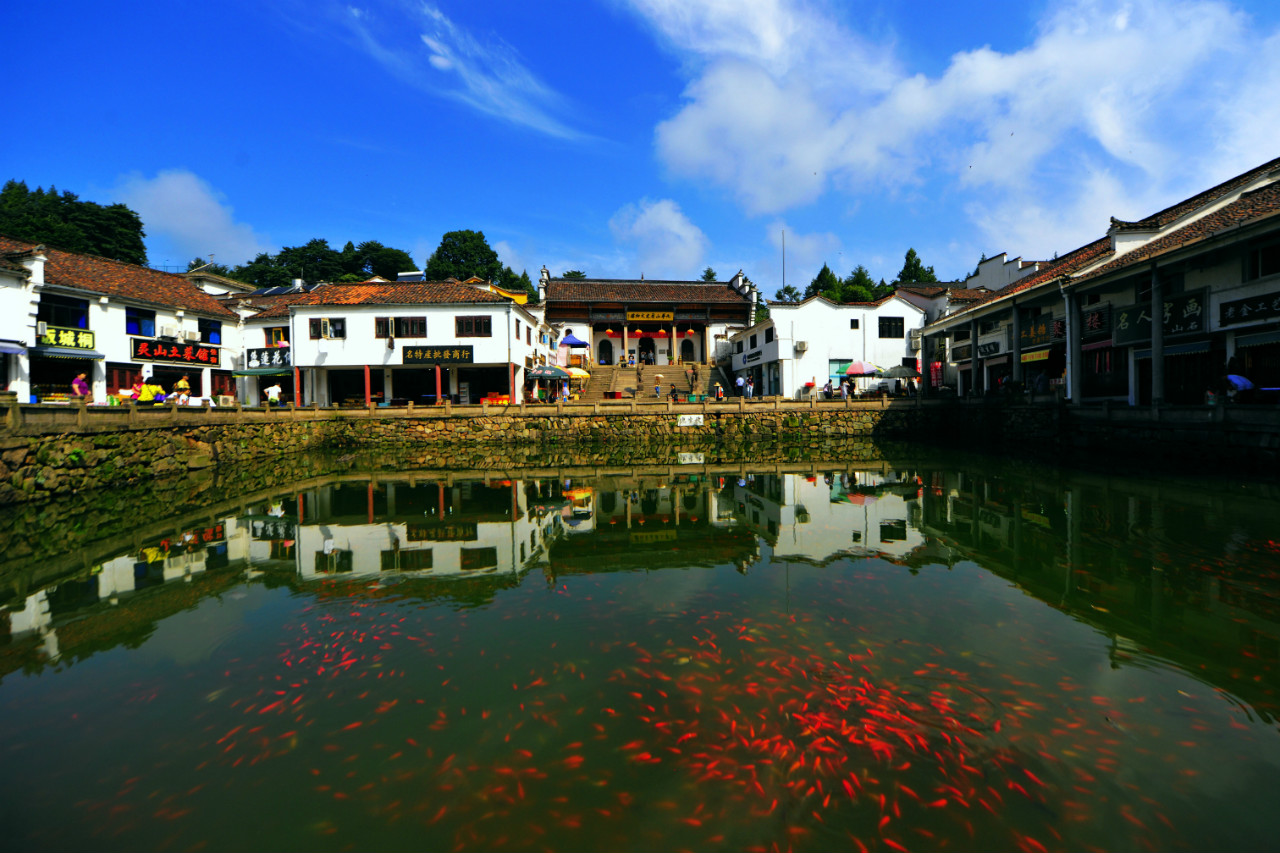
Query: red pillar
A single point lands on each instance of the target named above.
(368, 390)
(440, 500)
(299, 507)
(512, 384)
(370, 494)
(439, 390)
(297, 387)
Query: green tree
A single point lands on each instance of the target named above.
(825, 283)
(526, 285)
(63, 221)
(787, 294)
(461, 255)
(859, 286)
(210, 267)
(314, 261)
(979, 266)
(372, 258)
(574, 274)
(263, 271)
(914, 271)
(708, 274)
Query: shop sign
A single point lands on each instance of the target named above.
(1037, 355)
(1042, 331)
(752, 356)
(163, 351)
(267, 530)
(439, 355)
(961, 353)
(56, 336)
(1183, 315)
(268, 357)
(460, 531)
(649, 536)
(1262, 307)
(988, 349)
(650, 316)
(1096, 321)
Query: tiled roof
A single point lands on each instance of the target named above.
(1259, 204)
(261, 302)
(1182, 208)
(127, 281)
(395, 293)
(636, 291)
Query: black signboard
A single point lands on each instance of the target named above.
(256, 359)
(1184, 314)
(1096, 320)
(1262, 307)
(460, 531)
(270, 529)
(1042, 331)
(961, 353)
(988, 349)
(173, 353)
(439, 355)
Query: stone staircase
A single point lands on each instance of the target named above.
(623, 378)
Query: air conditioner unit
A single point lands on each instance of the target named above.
(42, 328)
(226, 400)
(802, 346)
(191, 335)
(915, 339)
(169, 331)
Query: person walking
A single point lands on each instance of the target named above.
(273, 394)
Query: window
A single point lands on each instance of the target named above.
(853, 323)
(276, 334)
(140, 322)
(737, 347)
(210, 331)
(986, 327)
(892, 327)
(754, 342)
(478, 558)
(517, 330)
(474, 327)
(337, 327)
(528, 336)
(768, 335)
(121, 376)
(1262, 262)
(398, 327)
(64, 311)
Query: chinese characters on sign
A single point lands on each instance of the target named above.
(268, 357)
(55, 336)
(438, 355)
(1096, 320)
(197, 354)
(1262, 307)
(961, 352)
(1183, 315)
(1042, 331)
(461, 531)
(650, 316)
(988, 349)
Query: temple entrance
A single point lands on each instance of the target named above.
(647, 351)
(687, 351)
(604, 352)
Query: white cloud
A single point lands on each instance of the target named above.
(1145, 100)
(666, 243)
(445, 59)
(181, 210)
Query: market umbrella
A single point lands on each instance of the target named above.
(658, 375)
(861, 368)
(547, 371)
(901, 371)
(578, 373)
(570, 341)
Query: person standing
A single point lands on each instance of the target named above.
(80, 386)
(751, 387)
(183, 386)
(273, 394)
(740, 383)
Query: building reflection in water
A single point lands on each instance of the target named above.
(1189, 575)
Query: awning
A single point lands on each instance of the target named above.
(65, 352)
(1176, 349)
(262, 371)
(995, 360)
(570, 341)
(13, 347)
(1254, 340)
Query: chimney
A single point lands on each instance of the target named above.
(544, 278)
(737, 282)
(34, 262)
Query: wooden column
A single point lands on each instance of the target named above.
(439, 392)
(512, 384)
(368, 391)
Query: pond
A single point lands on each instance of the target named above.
(894, 656)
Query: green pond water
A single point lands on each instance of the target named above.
(915, 656)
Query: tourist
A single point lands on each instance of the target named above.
(740, 383)
(657, 387)
(136, 391)
(79, 387)
(183, 386)
(719, 393)
(844, 389)
(675, 395)
(151, 393)
(826, 390)
(751, 388)
(273, 394)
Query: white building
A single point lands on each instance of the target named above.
(404, 341)
(62, 314)
(810, 341)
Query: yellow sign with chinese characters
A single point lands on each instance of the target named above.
(56, 336)
(650, 316)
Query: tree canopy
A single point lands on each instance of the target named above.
(858, 286)
(461, 255)
(825, 282)
(708, 274)
(316, 260)
(63, 221)
(574, 274)
(914, 270)
(787, 294)
(210, 267)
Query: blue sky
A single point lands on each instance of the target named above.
(624, 137)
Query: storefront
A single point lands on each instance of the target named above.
(1192, 363)
(62, 355)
